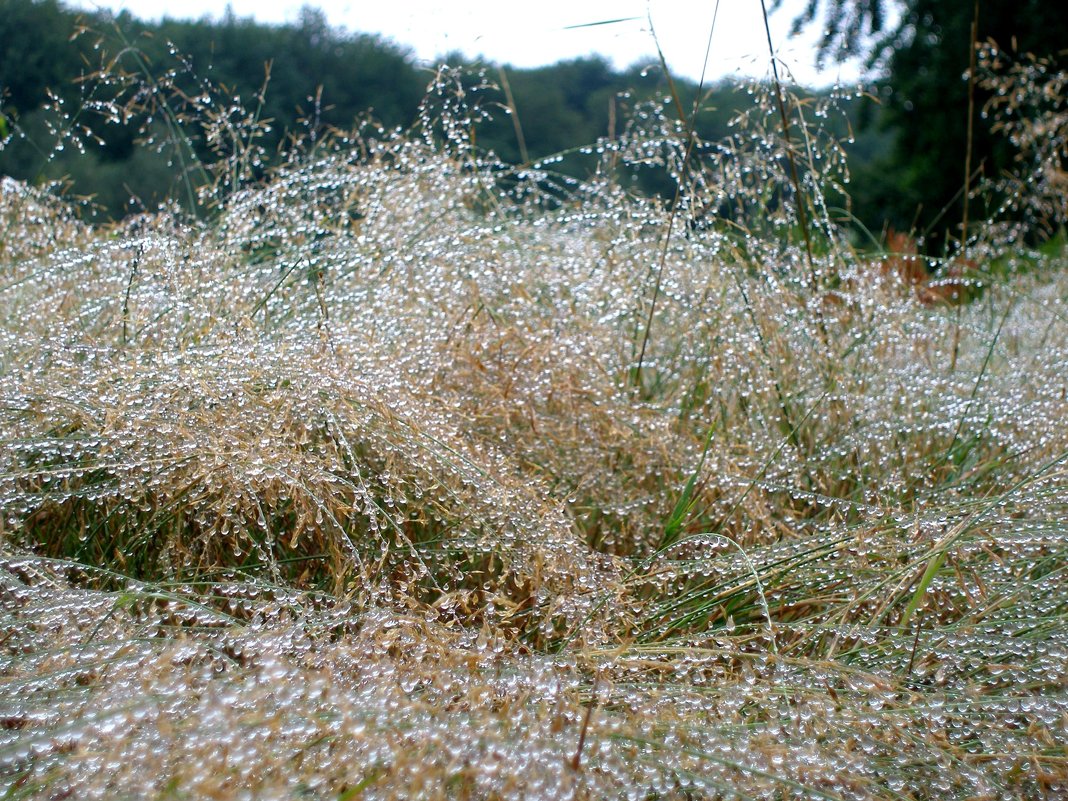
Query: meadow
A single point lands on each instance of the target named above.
(398, 472)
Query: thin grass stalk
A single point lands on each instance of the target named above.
(972, 46)
(802, 216)
(514, 114)
(173, 123)
(690, 126)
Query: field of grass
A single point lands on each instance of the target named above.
(402, 474)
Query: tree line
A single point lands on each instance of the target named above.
(297, 77)
(907, 161)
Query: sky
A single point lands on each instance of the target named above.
(530, 34)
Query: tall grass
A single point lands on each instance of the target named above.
(345, 490)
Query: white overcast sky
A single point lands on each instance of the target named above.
(537, 32)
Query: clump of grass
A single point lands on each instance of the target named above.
(345, 489)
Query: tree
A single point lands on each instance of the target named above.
(921, 63)
(36, 54)
(40, 54)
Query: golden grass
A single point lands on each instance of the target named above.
(347, 492)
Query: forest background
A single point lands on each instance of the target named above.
(909, 134)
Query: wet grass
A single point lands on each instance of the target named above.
(353, 488)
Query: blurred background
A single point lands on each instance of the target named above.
(563, 67)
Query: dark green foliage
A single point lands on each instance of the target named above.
(356, 72)
(928, 104)
(35, 52)
(316, 78)
(908, 162)
(559, 107)
(918, 182)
